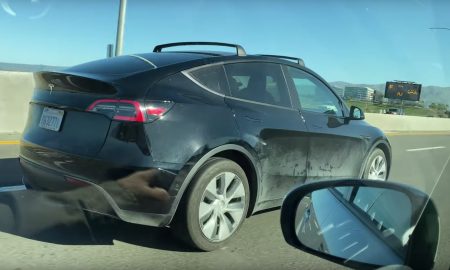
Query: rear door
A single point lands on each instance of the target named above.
(337, 146)
(261, 103)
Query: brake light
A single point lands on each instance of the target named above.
(156, 111)
(130, 110)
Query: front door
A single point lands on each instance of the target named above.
(337, 147)
(268, 123)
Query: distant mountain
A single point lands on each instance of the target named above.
(379, 87)
(27, 68)
(430, 94)
(436, 94)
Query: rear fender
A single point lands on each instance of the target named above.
(383, 144)
(186, 175)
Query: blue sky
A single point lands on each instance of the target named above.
(360, 41)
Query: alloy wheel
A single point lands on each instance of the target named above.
(222, 206)
(378, 169)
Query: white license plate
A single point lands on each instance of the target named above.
(51, 119)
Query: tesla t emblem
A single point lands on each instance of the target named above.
(50, 85)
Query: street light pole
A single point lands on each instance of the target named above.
(439, 28)
(110, 50)
(120, 27)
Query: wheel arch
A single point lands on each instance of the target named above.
(250, 171)
(384, 145)
(234, 152)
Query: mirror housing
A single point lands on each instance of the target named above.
(424, 228)
(356, 113)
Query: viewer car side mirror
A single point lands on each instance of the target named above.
(356, 113)
(362, 224)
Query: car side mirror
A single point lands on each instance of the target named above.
(362, 223)
(356, 113)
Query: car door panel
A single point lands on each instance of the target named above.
(274, 130)
(281, 145)
(337, 146)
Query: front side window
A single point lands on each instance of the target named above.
(210, 77)
(313, 94)
(260, 82)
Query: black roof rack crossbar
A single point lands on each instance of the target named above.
(298, 60)
(239, 50)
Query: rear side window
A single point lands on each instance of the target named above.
(210, 77)
(260, 82)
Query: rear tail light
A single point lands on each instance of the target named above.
(131, 110)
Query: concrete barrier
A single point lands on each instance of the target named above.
(404, 123)
(16, 89)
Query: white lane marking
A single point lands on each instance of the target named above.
(326, 229)
(12, 188)
(425, 148)
(342, 223)
(357, 253)
(345, 235)
(351, 245)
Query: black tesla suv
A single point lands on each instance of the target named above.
(232, 132)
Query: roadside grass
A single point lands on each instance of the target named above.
(409, 110)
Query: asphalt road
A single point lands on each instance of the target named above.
(417, 160)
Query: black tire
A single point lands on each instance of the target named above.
(186, 224)
(377, 152)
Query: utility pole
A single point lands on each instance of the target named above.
(439, 28)
(109, 50)
(120, 27)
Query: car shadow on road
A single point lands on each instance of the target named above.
(11, 173)
(29, 214)
(150, 237)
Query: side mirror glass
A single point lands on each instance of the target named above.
(357, 223)
(356, 113)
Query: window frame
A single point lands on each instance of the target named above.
(188, 74)
(290, 81)
(291, 105)
(295, 103)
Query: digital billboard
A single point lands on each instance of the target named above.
(403, 90)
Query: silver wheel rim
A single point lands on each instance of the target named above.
(378, 169)
(222, 206)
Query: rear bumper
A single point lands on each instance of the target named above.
(106, 197)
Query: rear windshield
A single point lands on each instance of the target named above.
(113, 66)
